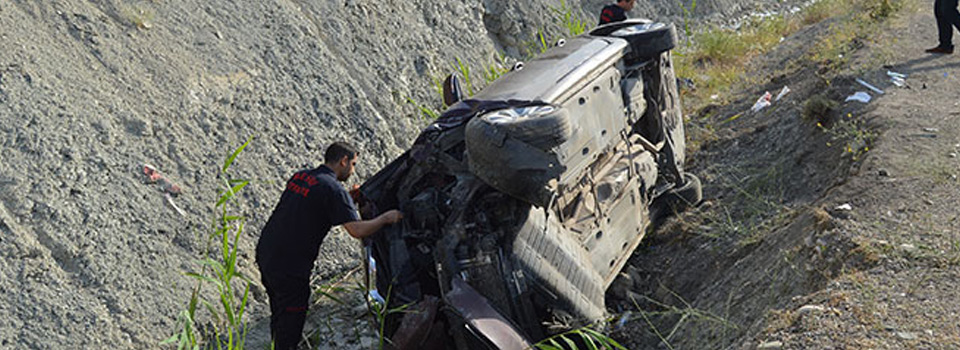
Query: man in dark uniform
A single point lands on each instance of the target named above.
(616, 12)
(947, 18)
(312, 203)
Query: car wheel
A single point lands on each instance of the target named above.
(648, 39)
(606, 29)
(556, 260)
(510, 151)
(543, 127)
(678, 199)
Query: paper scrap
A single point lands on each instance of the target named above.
(762, 102)
(859, 96)
(782, 93)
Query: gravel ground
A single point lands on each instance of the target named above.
(91, 90)
(799, 245)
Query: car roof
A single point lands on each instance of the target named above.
(556, 74)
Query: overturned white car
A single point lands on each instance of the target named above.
(523, 202)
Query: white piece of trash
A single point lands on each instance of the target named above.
(169, 199)
(898, 79)
(762, 102)
(899, 82)
(859, 96)
(868, 86)
(896, 75)
(783, 92)
(845, 206)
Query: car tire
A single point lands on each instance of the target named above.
(606, 29)
(646, 39)
(555, 259)
(514, 156)
(544, 130)
(678, 199)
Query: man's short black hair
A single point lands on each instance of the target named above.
(337, 151)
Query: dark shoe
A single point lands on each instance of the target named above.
(940, 49)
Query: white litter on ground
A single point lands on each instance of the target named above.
(859, 96)
(871, 87)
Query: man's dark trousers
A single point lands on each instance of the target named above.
(289, 296)
(947, 18)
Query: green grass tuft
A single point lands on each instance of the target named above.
(820, 109)
(572, 340)
(573, 23)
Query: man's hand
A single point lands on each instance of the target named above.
(355, 194)
(363, 229)
(392, 216)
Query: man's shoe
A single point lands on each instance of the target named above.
(940, 49)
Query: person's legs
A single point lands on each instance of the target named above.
(288, 309)
(951, 15)
(947, 17)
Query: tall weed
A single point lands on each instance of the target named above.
(570, 20)
(687, 14)
(218, 267)
(464, 70)
(428, 114)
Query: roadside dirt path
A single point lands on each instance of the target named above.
(904, 210)
(802, 242)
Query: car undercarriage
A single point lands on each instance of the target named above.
(523, 202)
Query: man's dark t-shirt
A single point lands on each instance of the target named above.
(612, 13)
(312, 203)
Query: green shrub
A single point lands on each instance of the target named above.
(820, 109)
(719, 46)
(824, 9)
(882, 9)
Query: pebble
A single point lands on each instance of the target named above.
(931, 129)
(908, 247)
(883, 172)
(952, 155)
(809, 308)
(907, 335)
(929, 202)
(771, 345)
(368, 342)
(360, 309)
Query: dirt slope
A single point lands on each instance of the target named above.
(905, 218)
(801, 243)
(91, 255)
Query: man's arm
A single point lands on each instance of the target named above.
(363, 229)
